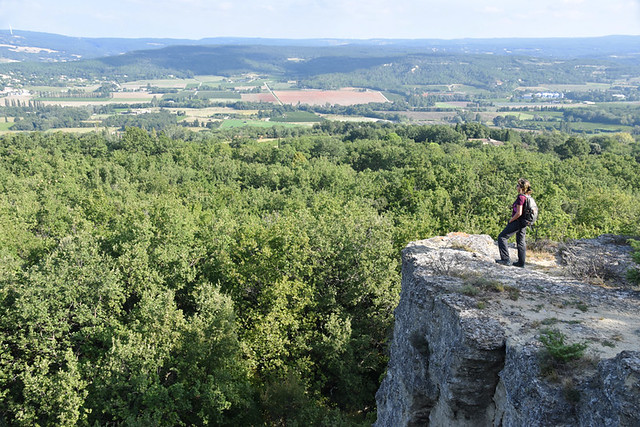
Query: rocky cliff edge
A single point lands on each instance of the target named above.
(468, 349)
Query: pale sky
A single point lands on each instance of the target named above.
(359, 19)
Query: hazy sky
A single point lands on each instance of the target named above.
(362, 19)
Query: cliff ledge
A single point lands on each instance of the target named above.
(467, 350)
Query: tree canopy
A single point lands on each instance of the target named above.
(151, 278)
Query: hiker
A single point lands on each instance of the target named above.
(517, 226)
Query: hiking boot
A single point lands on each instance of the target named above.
(518, 264)
(503, 261)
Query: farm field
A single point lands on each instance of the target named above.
(79, 102)
(274, 85)
(58, 89)
(4, 129)
(450, 104)
(297, 117)
(538, 104)
(519, 115)
(118, 98)
(259, 97)
(173, 83)
(549, 114)
(217, 95)
(82, 130)
(345, 97)
(429, 116)
(341, 118)
(565, 87)
(599, 127)
(145, 96)
(393, 97)
(199, 113)
(488, 116)
(163, 83)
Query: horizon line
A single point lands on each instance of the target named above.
(12, 31)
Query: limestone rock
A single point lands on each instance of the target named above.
(466, 348)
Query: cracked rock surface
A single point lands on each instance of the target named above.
(466, 348)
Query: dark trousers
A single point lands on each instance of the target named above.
(520, 230)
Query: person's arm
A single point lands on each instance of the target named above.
(517, 214)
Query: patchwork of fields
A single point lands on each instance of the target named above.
(210, 101)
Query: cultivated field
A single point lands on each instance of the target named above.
(347, 96)
(334, 97)
(173, 83)
(452, 104)
(210, 111)
(118, 97)
(228, 124)
(429, 116)
(565, 87)
(259, 97)
(341, 118)
(126, 96)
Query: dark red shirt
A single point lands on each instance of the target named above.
(519, 202)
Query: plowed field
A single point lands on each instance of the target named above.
(258, 97)
(333, 97)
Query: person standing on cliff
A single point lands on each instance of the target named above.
(515, 226)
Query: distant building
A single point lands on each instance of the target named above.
(543, 95)
(549, 95)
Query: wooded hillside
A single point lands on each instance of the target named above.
(214, 278)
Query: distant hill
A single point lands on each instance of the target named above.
(26, 45)
(394, 67)
(382, 67)
(228, 60)
(44, 47)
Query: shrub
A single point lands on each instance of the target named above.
(486, 284)
(554, 343)
(470, 290)
(570, 392)
(514, 293)
(543, 246)
(634, 273)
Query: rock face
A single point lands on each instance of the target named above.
(466, 347)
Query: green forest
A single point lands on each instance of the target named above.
(231, 278)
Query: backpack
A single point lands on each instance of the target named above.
(529, 210)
